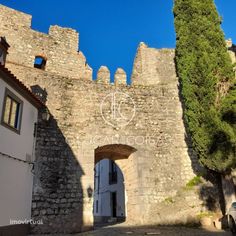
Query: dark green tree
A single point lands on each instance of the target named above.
(208, 83)
(207, 77)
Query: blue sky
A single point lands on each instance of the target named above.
(110, 30)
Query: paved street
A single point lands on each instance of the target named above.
(163, 231)
(121, 230)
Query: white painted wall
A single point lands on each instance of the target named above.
(16, 178)
(103, 196)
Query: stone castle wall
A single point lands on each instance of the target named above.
(59, 47)
(64, 174)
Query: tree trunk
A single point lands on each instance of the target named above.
(228, 188)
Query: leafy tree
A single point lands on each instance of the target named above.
(208, 83)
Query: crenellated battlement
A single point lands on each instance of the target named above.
(104, 76)
(59, 51)
(15, 18)
(153, 66)
(59, 47)
(120, 77)
(65, 37)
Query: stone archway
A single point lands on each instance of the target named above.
(113, 152)
(124, 157)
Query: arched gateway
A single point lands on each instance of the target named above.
(122, 156)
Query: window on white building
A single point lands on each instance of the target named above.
(12, 110)
(96, 206)
(113, 173)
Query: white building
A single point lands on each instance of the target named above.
(109, 192)
(18, 118)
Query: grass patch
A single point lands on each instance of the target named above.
(195, 181)
(169, 200)
(205, 214)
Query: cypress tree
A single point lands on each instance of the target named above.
(208, 83)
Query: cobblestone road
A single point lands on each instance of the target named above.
(162, 231)
(122, 230)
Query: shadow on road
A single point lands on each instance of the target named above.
(119, 230)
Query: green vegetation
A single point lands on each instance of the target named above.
(208, 83)
(194, 182)
(203, 214)
(169, 200)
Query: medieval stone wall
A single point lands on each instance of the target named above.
(64, 171)
(59, 47)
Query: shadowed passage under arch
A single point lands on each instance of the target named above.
(112, 177)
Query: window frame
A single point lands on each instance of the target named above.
(15, 98)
